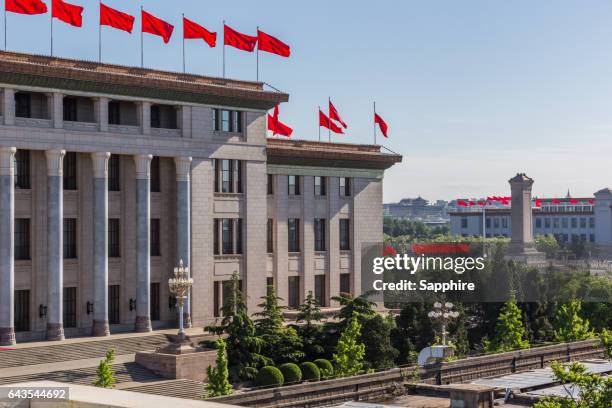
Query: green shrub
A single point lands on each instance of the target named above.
(269, 376)
(291, 372)
(325, 367)
(310, 371)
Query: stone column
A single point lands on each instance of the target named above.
(100, 233)
(522, 246)
(55, 255)
(143, 242)
(183, 221)
(7, 244)
(101, 113)
(145, 118)
(9, 106)
(57, 113)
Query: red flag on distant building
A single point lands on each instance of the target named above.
(116, 19)
(193, 30)
(325, 122)
(238, 40)
(591, 201)
(538, 203)
(462, 203)
(384, 128)
(389, 251)
(573, 201)
(272, 44)
(25, 6)
(276, 126)
(334, 115)
(156, 26)
(556, 201)
(66, 12)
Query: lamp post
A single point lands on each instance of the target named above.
(179, 287)
(442, 315)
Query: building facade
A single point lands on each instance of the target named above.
(418, 209)
(110, 175)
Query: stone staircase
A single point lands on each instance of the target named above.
(186, 389)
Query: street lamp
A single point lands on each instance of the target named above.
(179, 287)
(442, 315)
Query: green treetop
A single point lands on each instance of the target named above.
(509, 330)
(218, 377)
(569, 325)
(349, 354)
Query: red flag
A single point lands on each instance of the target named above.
(334, 115)
(192, 30)
(556, 201)
(238, 40)
(482, 203)
(538, 203)
(381, 124)
(573, 201)
(389, 251)
(462, 203)
(276, 126)
(591, 201)
(116, 19)
(325, 122)
(155, 26)
(272, 44)
(66, 12)
(25, 6)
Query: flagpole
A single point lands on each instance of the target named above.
(374, 122)
(5, 28)
(51, 30)
(184, 43)
(141, 40)
(100, 33)
(223, 48)
(257, 45)
(330, 120)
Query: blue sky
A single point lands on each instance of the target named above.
(473, 91)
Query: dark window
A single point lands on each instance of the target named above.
(345, 283)
(217, 299)
(70, 171)
(294, 292)
(293, 185)
(227, 121)
(22, 169)
(155, 181)
(238, 164)
(345, 186)
(114, 113)
(270, 184)
(70, 238)
(464, 222)
(114, 241)
(155, 119)
(114, 173)
(154, 301)
(114, 303)
(70, 109)
(320, 289)
(294, 234)
(155, 235)
(320, 186)
(270, 235)
(269, 285)
(345, 241)
(216, 236)
(319, 227)
(22, 239)
(70, 301)
(238, 235)
(23, 105)
(227, 235)
(22, 310)
(236, 121)
(226, 290)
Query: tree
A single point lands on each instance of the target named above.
(359, 307)
(586, 390)
(569, 325)
(105, 375)
(510, 331)
(218, 377)
(309, 312)
(376, 337)
(547, 244)
(281, 344)
(243, 345)
(310, 332)
(348, 358)
(606, 339)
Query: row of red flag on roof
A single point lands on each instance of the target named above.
(506, 201)
(72, 14)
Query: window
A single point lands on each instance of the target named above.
(488, 223)
(270, 184)
(574, 223)
(538, 222)
(70, 171)
(69, 299)
(114, 303)
(320, 289)
(227, 232)
(504, 223)
(155, 181)
(155, 121)
(464, 222)
(238, 164)
(114, 113)
(320, 186)
(70, 238)
(70, 109)
(555, 222)
(163, 116)
(238, 235)
(23, 105)
(293, 183)
(345, 244)
(294, 234)
(22, 239)
(154, 305)
(345, 186)
(269, 285)
(583, 223)
(114, 173)
(228, 236)
(114, 242)
(270, 235)
(592, 222)
(228, 175)
(592, 237)
(546, 222)
(345, 283)
(319, 227)
(227, 121)
(22, 310)
(294, 292)
(495, 222)
(564, 223)
(216, 236)
(155, 236)
(22, 169)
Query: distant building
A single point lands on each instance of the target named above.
(418, 209)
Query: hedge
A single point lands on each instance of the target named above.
(310, 371)
(325, 366)
(291, 373)
(269, 376)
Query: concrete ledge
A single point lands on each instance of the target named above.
(188, 366)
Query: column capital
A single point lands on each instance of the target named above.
(183, 167)
(7, 155)
(99, 161)
(55, 162)
(143, 166)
